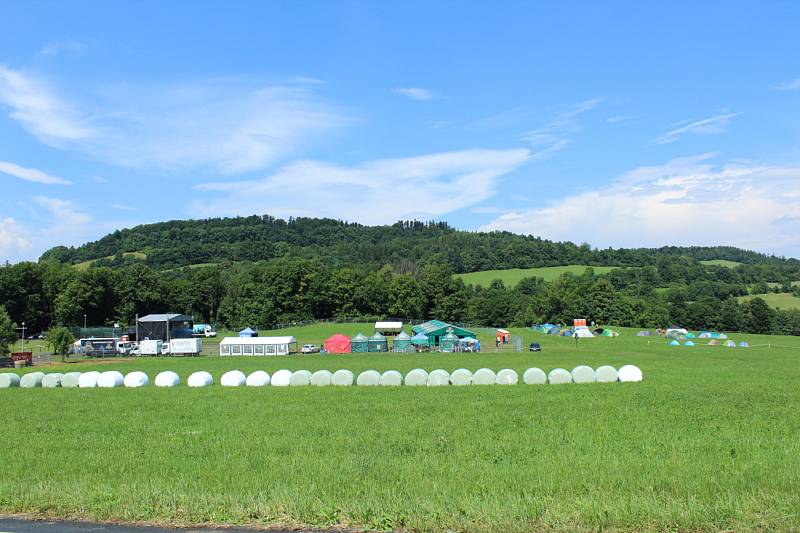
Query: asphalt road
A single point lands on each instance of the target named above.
(15, 525)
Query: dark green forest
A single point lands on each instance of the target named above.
(261, 271)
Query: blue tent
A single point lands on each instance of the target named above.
(552, 331)
(743, 344)
(688, 343)
(674, 343)
(420, 339)
(247, 332)
(730, 344)
(566, 333)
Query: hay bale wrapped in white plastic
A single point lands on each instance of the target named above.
(606, 374)
(31, 380)
(630, 374)
(439, 378)
(70, 380)
(259, 378)
(168, 378)
(368, 378)
(88, 380)
(559, 376)
(416, 378)
(110, 379)
(391, 378)
(8, 380)
(281, 378)
(200, 379)
(233, 378)
(52, 381)
(342, 378)
(583, 374)
(136, 379)
(321, 378)
(300, 378)
(506, 376)
(484, 376)
(534, 376)
(461, 377)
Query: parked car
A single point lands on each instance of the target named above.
(535, 347)
(309, 348)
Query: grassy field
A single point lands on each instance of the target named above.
(776, 300)
(86, 264)
(709, 440)
(722, 262)
(510, 277)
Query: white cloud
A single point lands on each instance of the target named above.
(707, 126)
(687, 201)
(66, 216)
(374, 192)
(123, 207)
(556, 135)
(14, 239)
(40, 111)
(229, 126)
(415, 93)
(68, 46)
(791, 85)
(31, 174)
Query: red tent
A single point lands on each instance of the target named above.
(337, 344)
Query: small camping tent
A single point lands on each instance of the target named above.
(704, 335)
(674, 343)
(359, 343)
(337, 343)
(583, 333)
(553, 331)
(730, 344)
(377, 343)
(566, 333)
(713, 342)
(688, 343)
(402, 342)
(690, 335)
(743, 344)
(610, 333)
(248, 332)
(643, 334)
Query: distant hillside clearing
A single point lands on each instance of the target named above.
(512, 276)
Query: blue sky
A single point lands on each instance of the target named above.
(612, 123)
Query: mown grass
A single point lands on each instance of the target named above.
(709, 440)
(721, 262)
(86, 264)
(776, 300)
(512, 276)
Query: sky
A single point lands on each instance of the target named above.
(621, 124)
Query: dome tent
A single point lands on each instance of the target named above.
(378, 343)
(730, 344)
(688, 343)
(743, 344)
(402, 343)
(337, 343)
(674, 343)
(553, 331)
(566, 333)
(359, 343)
(643, 333)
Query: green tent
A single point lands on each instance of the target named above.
(377, 343)
(359, 344)
(402, 343)
(420, 339)
(610, 333)
(436, 329)
(449, 342)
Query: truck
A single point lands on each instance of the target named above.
(203, 330)
(185, 347)
(150, 347)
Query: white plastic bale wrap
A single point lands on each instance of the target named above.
(259, 378)
(233, 378)
(368, 378)
(416, 378)
(70, 380)
(606, 374)
(300, 378)
(200, 379)
(88, 380)
(31, 380)
(136, 379)
(630, 374)
(484, 376)
(534, 376)
(8, 380)
(583, 374)
(110, 379)
(438, 378)
(391, 378)
(52, 381)
(342, 378)
(461, 377)
(321, 378)
(168, 378)
(559, 376)
(507, 376)
(281, 378)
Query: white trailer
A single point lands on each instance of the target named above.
(185, 346)
(150, 347)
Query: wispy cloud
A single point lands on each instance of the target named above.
(228, 126)
(686, 201)
(14, 239)
(415, 93)
(791, 85)
(556, 135)
(31, 174)
(617, 119)
(373, 192)
(123, 207)
(707, 126)
(68, 46)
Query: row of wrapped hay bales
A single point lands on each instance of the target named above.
(285, 378)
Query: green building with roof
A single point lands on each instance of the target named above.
(436, 329)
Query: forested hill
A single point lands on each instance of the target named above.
(178, 243)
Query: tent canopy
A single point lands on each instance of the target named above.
(337, 343)
(247, 332)
(419, 339)
(436, 329)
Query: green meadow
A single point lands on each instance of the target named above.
(510, 277)
(710, 440)
(722, 263)
(776, 300)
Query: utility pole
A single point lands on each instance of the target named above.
(23, 336)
